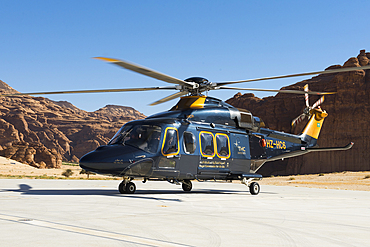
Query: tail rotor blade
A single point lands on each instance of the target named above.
(298, 119)
(319, 102)
(305, 88)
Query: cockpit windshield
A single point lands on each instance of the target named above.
(146, 137)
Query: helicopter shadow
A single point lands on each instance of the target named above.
(180, 192)
(25, 189)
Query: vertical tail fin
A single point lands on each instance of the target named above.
(312, 130)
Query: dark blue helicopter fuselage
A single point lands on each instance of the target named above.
(205, 143)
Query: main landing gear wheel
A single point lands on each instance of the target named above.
(186, 185)
(122, 188)
(254, 188)
(127, 188)
(130, 188)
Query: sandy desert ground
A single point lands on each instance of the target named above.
(341, 180)
(13, 169)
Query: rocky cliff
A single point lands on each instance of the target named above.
(348, 120)
(43, 133)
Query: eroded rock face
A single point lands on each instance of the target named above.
(348, 120)
(43, 133)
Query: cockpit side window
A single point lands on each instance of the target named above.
(170, 144)
(145, 137)
(190, 143)
(207, 144)
(118, 138)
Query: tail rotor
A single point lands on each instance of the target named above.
(307, 112)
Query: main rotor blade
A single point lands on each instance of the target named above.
(94, 91)
(168, 98)
(148, 72)
(277, 91)
(330, 71)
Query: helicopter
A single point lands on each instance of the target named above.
(201, 138)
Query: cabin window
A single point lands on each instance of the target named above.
(257, 151)
(223, 146)
(170, 142)
(189, 142)
(207, 144)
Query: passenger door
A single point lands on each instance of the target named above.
(214, 154)
(167, 165)
(190, 158)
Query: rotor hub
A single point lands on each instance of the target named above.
(198, 80)
(203, 85)
(307, 110)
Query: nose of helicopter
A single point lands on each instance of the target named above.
(110, 160)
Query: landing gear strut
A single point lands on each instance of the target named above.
(254, 187)
(127, 187)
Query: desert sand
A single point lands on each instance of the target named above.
(13, 169)
(341, 180)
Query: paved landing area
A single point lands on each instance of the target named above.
(93, 213)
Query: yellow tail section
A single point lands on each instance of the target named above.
(313, 127)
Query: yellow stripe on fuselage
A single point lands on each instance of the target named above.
(190, 102)
(199, 102)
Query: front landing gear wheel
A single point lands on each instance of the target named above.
(127, 188)
(130, 188)
(122, 188)
(186, 185)
(254, 188)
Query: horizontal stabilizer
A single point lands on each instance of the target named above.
(309, 150)
(349, 146)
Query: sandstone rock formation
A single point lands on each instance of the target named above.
(43, 133)
(348, 120)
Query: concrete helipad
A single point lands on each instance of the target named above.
(93, 213)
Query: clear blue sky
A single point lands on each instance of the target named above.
(48, 45)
